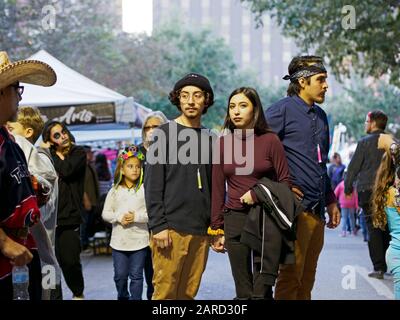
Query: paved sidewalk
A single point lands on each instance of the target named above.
(341, 274)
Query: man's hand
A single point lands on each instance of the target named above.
(297, 192)
(162, 239)
(18, 254)
(334, 216)
(247, 198)
(218, 243)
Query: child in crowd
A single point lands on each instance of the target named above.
(125, 209)
(348, 208)
(386, 205)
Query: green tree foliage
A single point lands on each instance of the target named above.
(182, 51)
(371, 49)
(352, 107)
(145, 67)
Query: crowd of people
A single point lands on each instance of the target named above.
(259, 190)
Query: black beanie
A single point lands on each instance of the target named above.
(197, 80)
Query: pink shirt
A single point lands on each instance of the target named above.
(344, 202)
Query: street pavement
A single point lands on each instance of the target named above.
(342, 274)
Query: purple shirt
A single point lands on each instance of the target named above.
(269, 161)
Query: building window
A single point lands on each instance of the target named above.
(245, 40)
(246, 57)
(266, 56)
(225, 4)
(225, 20)
(266, 38)
(246, 20)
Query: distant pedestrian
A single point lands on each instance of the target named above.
(348, 209)
(336, 170)
(362, 168)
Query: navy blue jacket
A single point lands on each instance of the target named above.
(304, 132)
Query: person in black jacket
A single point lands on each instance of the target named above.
(70, 164)
(363, 168)
(178, 193)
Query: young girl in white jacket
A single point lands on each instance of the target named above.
(125, 209)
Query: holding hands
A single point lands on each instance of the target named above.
(128, 218)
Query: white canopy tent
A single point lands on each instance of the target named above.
(75, 99)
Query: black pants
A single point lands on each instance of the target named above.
(148, 273)
(68, 249)
(35, 277)
(378, 239)
(245, 263)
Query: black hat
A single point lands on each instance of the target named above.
(197, 80)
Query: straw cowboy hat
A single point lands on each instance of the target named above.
(27, 71)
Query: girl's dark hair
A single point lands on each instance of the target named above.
(174, 98)
(260, 124)
(102, 169)
(296, 64)
(47, 132)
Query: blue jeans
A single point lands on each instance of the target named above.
(129, 263)
(348, 214)
(363, 226)
(393, 264)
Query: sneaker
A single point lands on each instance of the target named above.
(87, 251)
(342, 234)
(81, 297)
(376, 274)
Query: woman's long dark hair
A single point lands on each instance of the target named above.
(259, 124)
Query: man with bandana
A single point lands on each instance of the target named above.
(363, 168)
(303, 129)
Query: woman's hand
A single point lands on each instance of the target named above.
(247, 198)
(218, 243)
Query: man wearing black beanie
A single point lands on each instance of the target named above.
(178, 193)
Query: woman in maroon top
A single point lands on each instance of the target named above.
(249, 135)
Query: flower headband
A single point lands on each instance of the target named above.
(131, 151)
